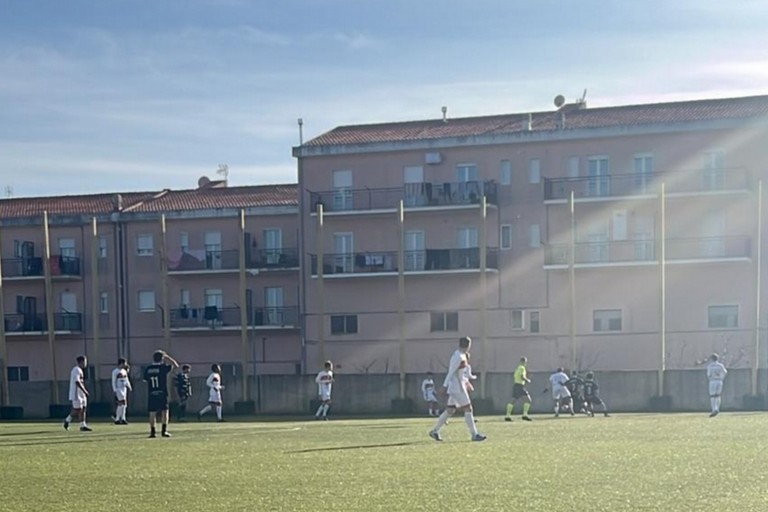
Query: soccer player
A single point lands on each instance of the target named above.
(78, 395)
(592, 395)
(121, 384)
(183, 390)
(214, 393)
(430, 394)
(519, 392)
(560, 392)
(156, 376)
(324, 382)
(716, 373)
(458, 396)
(576, 386)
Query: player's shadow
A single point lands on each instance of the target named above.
(59, 440)
(11, 434)
(356, 447)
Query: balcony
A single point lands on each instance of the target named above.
(275, 259)
(212, 317)
(416, 262)
(29, 324)
(645, 252)
(204, 261)
(413, 195)
(32, 267)
(681, 183)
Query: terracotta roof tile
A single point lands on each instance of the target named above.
(166, 200)
(628, 115)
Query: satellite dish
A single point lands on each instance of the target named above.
(203, 182)
(559, 100)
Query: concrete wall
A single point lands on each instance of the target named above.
(372, 393)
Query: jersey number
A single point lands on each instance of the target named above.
(154, 382)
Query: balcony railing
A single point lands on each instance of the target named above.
(639, 251)
(415, 261)
(412, 195)
(205, 261)
(626, 185)
(283, 316)
(275, 258)
(38, 323)
(212, 317)
(61, 266)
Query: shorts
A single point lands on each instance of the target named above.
(430, 396)
(214, 396)
(519, 391)
(460, 398)
(715, 388)
(325, 397)
(559, 394)
(157, 403)
(80, 402)
(121, 395)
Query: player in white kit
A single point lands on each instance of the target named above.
(458, 394)
(78, 395)
(121, 384)
(214, 393)
(324, 382)
(716, 373)
(429, 393)
(560, 393)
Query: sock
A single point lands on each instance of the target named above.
(165, 427)
(570, 406)
(469, 419)
(206, 409)
(218, 411)
(510, 408)
(441, 420)
(152, 430)
(68, 419)
(717, 403)
(319, 410)
(83, 424)
(526, 407)
(557, 407)
(713, 403)
(119, 413)
(325, 410)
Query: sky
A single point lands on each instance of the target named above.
(125, 95)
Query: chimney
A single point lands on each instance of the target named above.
(117, 203)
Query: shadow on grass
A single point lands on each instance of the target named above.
(36, 433)
(357, 447)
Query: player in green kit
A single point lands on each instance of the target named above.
(519, 392)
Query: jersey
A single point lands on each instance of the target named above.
(214, 382)
(521, 375)
(456, 368)
(75, 376)
(324, 382)
(114, 379)
(183, 386)
(716, 371)
(590, 388)
(575, 385)
(156, 376)
(558, 380)
(121, 382)
(428, 390)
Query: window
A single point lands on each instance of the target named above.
(534, 235)
(505, 236)
(342, 186)
(534, 322)
(604, 320)
(466, 172)
(146, 301)
(642, 171)
(723, 317)
(184, 298)
(573, 167)
(18, 251)
(145, 245)
(184, 242)
(444, 322)
(18, 373)
(599, 183)
(343, 324)
(466, 238)
(104, 302)
(505, 173)
(67, 247)
(713, 176)
(534, 171)
(516, 319)
(102, 246)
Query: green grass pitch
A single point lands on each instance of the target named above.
(675, 462)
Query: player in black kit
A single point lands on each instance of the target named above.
(183, 391)
(592, 395)
(156, 376)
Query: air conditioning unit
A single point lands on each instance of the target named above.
(433, 158)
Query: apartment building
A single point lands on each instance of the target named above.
(614, 238)
(209, 274)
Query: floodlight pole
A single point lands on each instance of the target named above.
(320, 286)
(401, 292)
(758, 277)
(663, 298)
(483, 298)
(572, 279)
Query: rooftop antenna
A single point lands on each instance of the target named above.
(583, 99)
(445, 112)
(301, 131)
(9, 191)
(223, 170)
